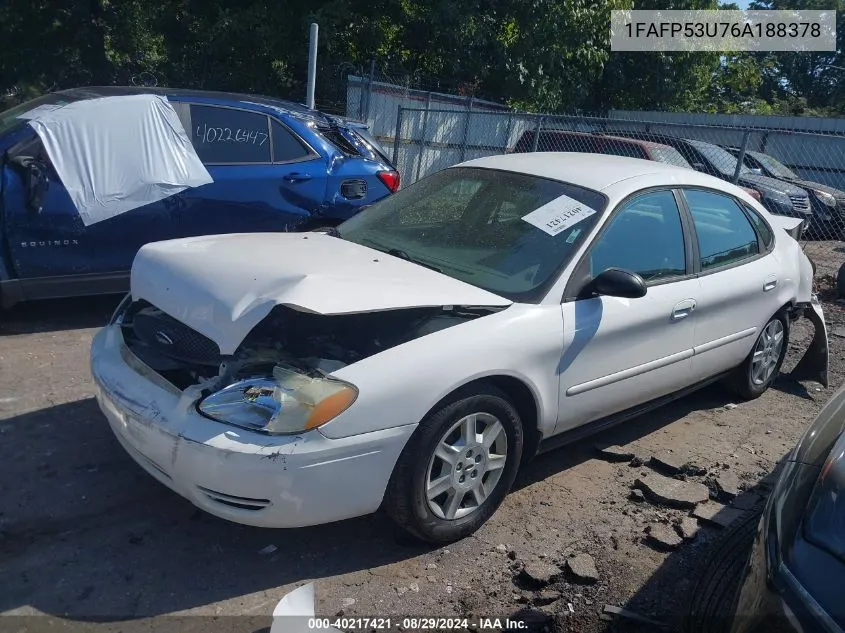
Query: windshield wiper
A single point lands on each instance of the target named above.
(397, 252)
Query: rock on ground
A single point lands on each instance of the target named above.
(688, 528)
(717, 514)
(672, 492)
(538, 573)
(583, 568)
(663, 536)
(667, 463)
(728, 484)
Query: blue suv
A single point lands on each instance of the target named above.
(311, 171)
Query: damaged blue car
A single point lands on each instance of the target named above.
(79, 198)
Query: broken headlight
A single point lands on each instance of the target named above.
(287, 402)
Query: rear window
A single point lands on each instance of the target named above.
(230, 136)
(338, 139)
(620, 148)
(552, 141)
(670, 156)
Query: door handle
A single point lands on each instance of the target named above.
(770, 284)
(683, 309)
(296, 177)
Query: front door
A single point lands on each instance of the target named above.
(618, 353)
(45, 233)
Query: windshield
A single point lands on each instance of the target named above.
(722, 160)
(774, 166)
(478, 226)
(670, 156)
(12, 117)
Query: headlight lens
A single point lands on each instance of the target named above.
(825, 522)
(825, 198)
(287, 402)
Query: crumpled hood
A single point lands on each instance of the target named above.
(224, 285)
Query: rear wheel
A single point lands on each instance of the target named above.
(756, 374)
(458, 467)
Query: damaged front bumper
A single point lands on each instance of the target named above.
(236, 474)
(814, 364)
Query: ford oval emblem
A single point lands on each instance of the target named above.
(163, 338)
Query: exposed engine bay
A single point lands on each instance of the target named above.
(308, 343)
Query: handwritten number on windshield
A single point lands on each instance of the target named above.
(210, 135)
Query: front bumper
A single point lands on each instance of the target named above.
(236, 474)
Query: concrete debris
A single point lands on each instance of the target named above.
(414, 587)
(672, 492)
(637, 495)
(547, 596)
(501, 547)
(662, 536)
(431, 566)
(348, 602)
(730, 406)
(688, 528)
(636, 462)
(666, 463)
(717, 514)
(728, 484)
(449, 589)
(538, 573)
(615, 453)
(610, 609)
(583, 568)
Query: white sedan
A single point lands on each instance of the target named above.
(414, 358)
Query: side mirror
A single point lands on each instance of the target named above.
(699, 167)
(616, 282)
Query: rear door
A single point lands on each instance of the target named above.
(45, 233)
(738, 278)
(266, 178)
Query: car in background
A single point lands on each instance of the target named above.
(595, 143)
(275, 165)
(779, 198)
(828, 202)
(793, 578)
(510, 284)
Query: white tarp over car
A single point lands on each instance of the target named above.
(115, 154)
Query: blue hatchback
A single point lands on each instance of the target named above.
(305, 170)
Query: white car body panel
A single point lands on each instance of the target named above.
(579, 360)
(224, 285)
(619, 353)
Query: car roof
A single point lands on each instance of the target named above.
(95, 92)
(593, 171)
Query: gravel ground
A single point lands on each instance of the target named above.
(86, 536)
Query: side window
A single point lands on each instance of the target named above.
(725, 235)
(645, 237)
(229, 136)
(286, 147)
(762, 227)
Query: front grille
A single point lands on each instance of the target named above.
(241, 503)
(172, 338)
(800, 203)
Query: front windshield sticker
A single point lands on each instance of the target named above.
(558, 215)
(39, 110)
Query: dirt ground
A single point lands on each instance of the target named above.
(87, 537)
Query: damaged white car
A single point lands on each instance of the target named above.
(415, 358)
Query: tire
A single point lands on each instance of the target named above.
(744, 381)
(715, 596)
(407, 500)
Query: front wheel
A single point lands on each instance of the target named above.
(458, 467)
(757, 373)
